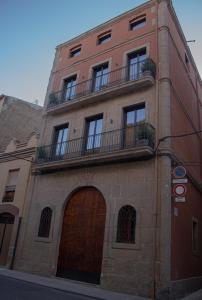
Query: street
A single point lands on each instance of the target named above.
(13, 289)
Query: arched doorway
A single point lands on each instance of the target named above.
(81, 245)
(6, 226)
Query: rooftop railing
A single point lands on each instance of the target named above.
(140, 135)
(132, 72)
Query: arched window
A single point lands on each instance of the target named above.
(45, 222)
(126, 225)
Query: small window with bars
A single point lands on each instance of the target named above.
(45, 222)
(126, 225)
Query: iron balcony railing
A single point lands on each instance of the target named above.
(132, 72)
(8, 196)
(107, 142)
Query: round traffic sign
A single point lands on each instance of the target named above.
(179, 172)
(179, 190)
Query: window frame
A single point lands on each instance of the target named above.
(10, 189)
(75, 51)
(104, 38)
(45, 239)
(133, 26)
(129, 237)
(131, 55)
(95, 69)
(67, 80)
(86, 135)
(125, 246)
(55, 135)
(134, 108)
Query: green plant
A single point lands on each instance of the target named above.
(145, 132)
(41, 153)
(149, 65)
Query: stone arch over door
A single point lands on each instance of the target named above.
(82, 237)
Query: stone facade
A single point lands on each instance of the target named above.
(20, 122)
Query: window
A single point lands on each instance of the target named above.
(133, 115)
(135, 63)
(137, 23)
(60, 144)
(10, 186)
(76, 51)
(126, 225)
(45, 222)
(69, 88)
(104, 38)
(194, 235)
(93, 133)
(100, 77)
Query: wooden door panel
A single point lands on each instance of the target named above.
(82, 237)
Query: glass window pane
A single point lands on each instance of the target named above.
(70, 88)
(104, 79)
(130, 119)
(140, 115)
(59, 135)
(97, 140)
(98, 126)
(91, 128)
(100, 77)
(90, 141)
(65, 132)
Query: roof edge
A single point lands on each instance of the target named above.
(104, 24)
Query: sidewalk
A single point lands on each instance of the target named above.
(69, 286)
(195, 296)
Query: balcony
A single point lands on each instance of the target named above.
(112, 84)
(9, 194)
(131, 143)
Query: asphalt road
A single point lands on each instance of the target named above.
(13, 289)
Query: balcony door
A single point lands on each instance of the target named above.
(60, 140)
(93, 133)
(135, 62)
(100, 77)
(133, 117)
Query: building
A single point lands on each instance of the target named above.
(102, 197)
(19, 130)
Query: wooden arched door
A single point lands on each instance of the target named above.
(81, 245)
(6, 226)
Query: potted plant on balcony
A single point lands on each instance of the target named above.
(148, 67)
(145, 135)
(40, 154)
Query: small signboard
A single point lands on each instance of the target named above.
(179, 199)
(179, 190)
(179, 172)
(180, 180)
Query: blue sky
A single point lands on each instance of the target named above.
(31, 29)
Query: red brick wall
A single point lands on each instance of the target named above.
(185, 118)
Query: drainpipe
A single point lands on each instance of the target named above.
(15, 245)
